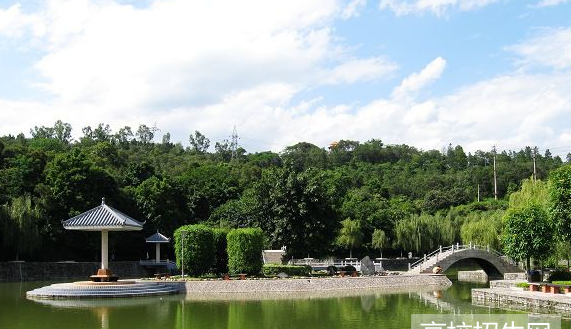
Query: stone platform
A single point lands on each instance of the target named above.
(86, 289)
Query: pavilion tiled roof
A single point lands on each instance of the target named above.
(158, 238)
(103, 217)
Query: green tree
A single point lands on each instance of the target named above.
(302, 156)
(531, 192)
(76, 184)
(483, 229)
(424, 233)
(20, 227)
(145, 134)
(160, 202)
(560, 198)
(199, 144)
(294, 210)
(527, 233)
(380, 240)
(350, 235)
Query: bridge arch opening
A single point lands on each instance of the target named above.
(472, 264)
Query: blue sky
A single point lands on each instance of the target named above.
(421, 72)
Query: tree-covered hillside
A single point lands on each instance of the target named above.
(299, 197)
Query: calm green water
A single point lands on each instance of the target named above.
(368, 310)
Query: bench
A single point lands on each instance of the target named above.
(351, 273)
(104, 278)
(159, 276)
(549, 288)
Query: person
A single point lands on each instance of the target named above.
(436, 269)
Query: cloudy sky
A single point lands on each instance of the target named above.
(421, 72)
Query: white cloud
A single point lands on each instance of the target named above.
(551, 48)
(177, 53)
(353, 8)
(366, 69)
(416, 81)
(190, 66)
(13, 23)
(550, 3)
(436, 7)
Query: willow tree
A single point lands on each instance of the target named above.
(531, 192)
(350, 236)
(424, 233)
(20, 228)
(483, 228)
(380, 240)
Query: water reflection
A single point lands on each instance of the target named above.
(365, 309)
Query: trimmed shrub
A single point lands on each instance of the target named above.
(524, 285)
(245, 250)
(559, 275)
(220, 253)
(290, 270)
(349, 268)
(198, 248)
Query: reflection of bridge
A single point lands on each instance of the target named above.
(490, 260)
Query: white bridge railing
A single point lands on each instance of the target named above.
(442, 252)
(338, 263)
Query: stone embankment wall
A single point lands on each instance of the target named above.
(478, 276)
(55, 271)
(518, 299)
(392, 283)
(515, 276)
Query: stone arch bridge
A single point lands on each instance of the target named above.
(491, 261)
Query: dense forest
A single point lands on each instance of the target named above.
(309, 199)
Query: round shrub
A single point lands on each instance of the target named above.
(559, 275)
(198, 248)
(245, 250)
(220, 253)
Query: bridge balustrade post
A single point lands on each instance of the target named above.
(457, 246)
(488, 248)
(440, 249)
(409, 266)
(470, 245)
(425, 257)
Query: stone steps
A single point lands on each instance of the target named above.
(70, 290)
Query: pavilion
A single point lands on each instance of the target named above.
(158, 239)
(104, 219)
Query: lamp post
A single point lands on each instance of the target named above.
(182, 235)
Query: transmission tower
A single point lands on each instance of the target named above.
(234, 143)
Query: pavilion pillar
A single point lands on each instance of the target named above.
(157, 252)
(104, 250)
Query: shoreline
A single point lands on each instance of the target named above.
(394, 283)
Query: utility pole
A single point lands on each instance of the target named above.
(534, 166)
(495, 175)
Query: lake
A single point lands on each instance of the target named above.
(367, 310)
